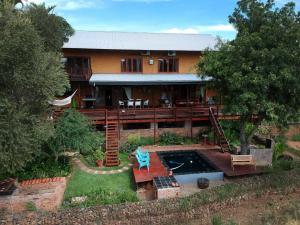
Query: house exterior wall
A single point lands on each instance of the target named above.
(184, 131)
(110, 61)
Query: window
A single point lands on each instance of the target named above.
(77, 65)
(179, 124)
(131, 65)
(136, 126)
(168, 65)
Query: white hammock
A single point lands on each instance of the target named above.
(62, 102)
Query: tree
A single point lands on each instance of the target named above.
(54, 29)
(29, 77)
(258, 72)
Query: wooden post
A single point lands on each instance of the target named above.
(191, 123)
(154, 125)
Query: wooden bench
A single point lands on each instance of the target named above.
(242, 160)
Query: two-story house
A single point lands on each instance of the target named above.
(142, 83)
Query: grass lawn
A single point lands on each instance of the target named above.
(100, 189)
(122, 156)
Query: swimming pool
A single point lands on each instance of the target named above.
(188, 166)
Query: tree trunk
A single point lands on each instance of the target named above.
(243, 139)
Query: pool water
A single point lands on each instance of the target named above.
(185, 162)
(187, 166)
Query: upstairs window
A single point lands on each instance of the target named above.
(168, 65)
(131, 65)
(77, 65)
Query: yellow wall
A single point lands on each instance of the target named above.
(110, 61)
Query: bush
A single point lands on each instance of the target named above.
(45, 169)
(74, 132)
(168, 138)
(279, 147)
(134, 141)
(93, 156)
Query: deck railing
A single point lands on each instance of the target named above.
(103, 116)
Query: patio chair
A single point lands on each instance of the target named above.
(138, 103)
(121, 104)
(146, 103)
(141, 154)
(143, 159)
(130, 103)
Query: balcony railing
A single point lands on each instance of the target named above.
(101, 116)
(79, 74)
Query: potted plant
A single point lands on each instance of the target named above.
(99, 156)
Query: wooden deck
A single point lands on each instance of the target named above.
(212, 153)
(222, 161)
(156, 169)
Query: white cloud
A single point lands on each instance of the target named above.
(67, 4)
(201, 29)
(145, 1)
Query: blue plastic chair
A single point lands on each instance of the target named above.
(143, 159)
(142, 154)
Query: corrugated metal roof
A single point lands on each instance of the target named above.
(140, 41)
(145, 79)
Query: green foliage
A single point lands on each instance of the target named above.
(168, 138)
(45, 168)
(53, 29)
(257, 73)
(279, 148)
(74, 132)
(29, 77)
(217, 220)
(93, 156)
(134, 141)
(296, 137)
(30, 206)
(100, 189)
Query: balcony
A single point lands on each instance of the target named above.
(79, 74)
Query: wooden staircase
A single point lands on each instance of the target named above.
(112, 144)
(219, 132)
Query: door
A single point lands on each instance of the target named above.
(108, 97)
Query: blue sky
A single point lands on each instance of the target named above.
(175, 16)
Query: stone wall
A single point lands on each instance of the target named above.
(183, 131)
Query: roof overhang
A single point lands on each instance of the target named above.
(145, 79)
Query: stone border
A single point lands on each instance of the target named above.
(86, 169)
(41, 181)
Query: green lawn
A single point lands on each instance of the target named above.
(100, 189)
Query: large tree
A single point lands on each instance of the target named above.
(258, 72)
(30, 74)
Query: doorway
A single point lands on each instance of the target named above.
(108, 97)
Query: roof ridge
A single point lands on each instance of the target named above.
(145, 32)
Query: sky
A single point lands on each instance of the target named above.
(167, 16)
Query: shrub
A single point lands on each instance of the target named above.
(134, 141)
(45, 169)
(279, 147)
(93, 156)
(168, 138)
(74, 132)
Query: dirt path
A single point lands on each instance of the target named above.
(294, 144)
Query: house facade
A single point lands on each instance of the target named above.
(158, 69)
(139, 83)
